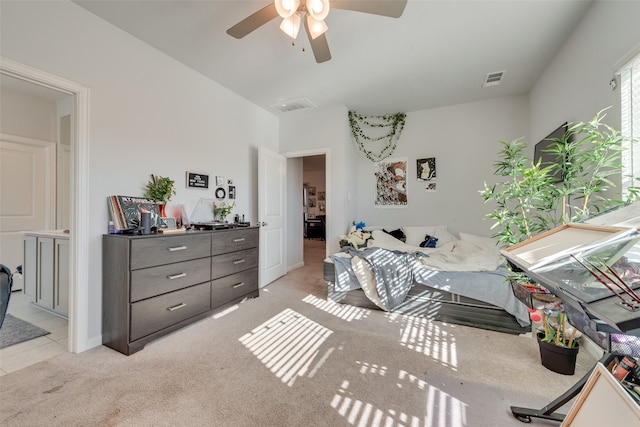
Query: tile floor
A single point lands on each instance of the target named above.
(31, 352)
(28, 353)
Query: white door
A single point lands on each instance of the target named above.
(26, 178)
(272, 173)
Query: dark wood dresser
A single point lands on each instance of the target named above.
(155, 284)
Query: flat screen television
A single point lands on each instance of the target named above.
(546, 158)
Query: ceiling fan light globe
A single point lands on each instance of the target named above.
(286, 8)
(291, 25)
(319, 9)
(316, 28)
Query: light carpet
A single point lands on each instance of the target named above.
(291, 358)
(15, 331)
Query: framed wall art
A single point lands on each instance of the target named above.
(391, 183)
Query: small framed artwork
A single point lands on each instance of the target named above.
(312, 203)
(426, 169)
(320, 195)
(220, 193)
(232, 192)
(219, 181)
(197, 180)
(312, 191)
(169, 222)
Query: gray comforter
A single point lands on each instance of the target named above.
(386, 276)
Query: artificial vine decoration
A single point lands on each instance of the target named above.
(394, 122)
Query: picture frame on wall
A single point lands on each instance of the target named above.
(232, 192)
(391, 183)
(312, 191)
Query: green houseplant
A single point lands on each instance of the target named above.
(529, 200)
(160, 189)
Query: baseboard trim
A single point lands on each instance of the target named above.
(295, 266)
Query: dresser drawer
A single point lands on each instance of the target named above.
(234, 240)
(164, 250)
(154, 314)
(149, 282)
(223, 265)
(234, 286)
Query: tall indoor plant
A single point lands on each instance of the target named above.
(529, 200)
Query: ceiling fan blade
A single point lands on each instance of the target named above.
(319, 45)
(253, 22)
(390, 8)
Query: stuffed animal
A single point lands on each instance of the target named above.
(356, 236)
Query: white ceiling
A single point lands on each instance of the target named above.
(437, 53)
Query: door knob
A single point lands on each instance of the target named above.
(264, 224)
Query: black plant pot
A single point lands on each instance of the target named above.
(557, 359)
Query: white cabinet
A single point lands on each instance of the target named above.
(46, 270)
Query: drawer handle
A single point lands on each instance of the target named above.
(241, 239)
(177, 248)
(177, 276)
(176, 307)
(237, 285)
(240, 261)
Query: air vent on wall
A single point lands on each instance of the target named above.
(298, 104)
(494, 79)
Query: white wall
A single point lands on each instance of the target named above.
(324, 130)
(575, 85)
(464, 140)
(26, 115)
(148, 114)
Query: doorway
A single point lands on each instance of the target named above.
(314, 209)
(78, 195)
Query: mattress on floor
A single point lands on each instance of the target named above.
(434, 304)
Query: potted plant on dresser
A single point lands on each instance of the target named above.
(160, 189)
(530, 200)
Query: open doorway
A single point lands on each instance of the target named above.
(314, 207)
(37, 213)
(78, 336)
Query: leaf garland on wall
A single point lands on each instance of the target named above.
(367, 131)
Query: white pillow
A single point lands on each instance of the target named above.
(416, 234)
(381, 237)
(444, 236)
(486, 242)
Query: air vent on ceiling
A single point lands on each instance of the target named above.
(298, 104)
(494, 79)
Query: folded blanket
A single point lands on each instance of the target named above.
(391, 275)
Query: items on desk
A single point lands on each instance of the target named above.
(622, 369)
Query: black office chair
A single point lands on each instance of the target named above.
(6, 282)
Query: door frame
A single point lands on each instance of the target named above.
(327, 182)
(79, 225)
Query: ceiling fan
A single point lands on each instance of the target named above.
(312, 13)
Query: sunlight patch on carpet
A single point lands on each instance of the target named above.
(287, 344)
(444, 409)
(387, 412)
(428, 338)
(342, 311)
